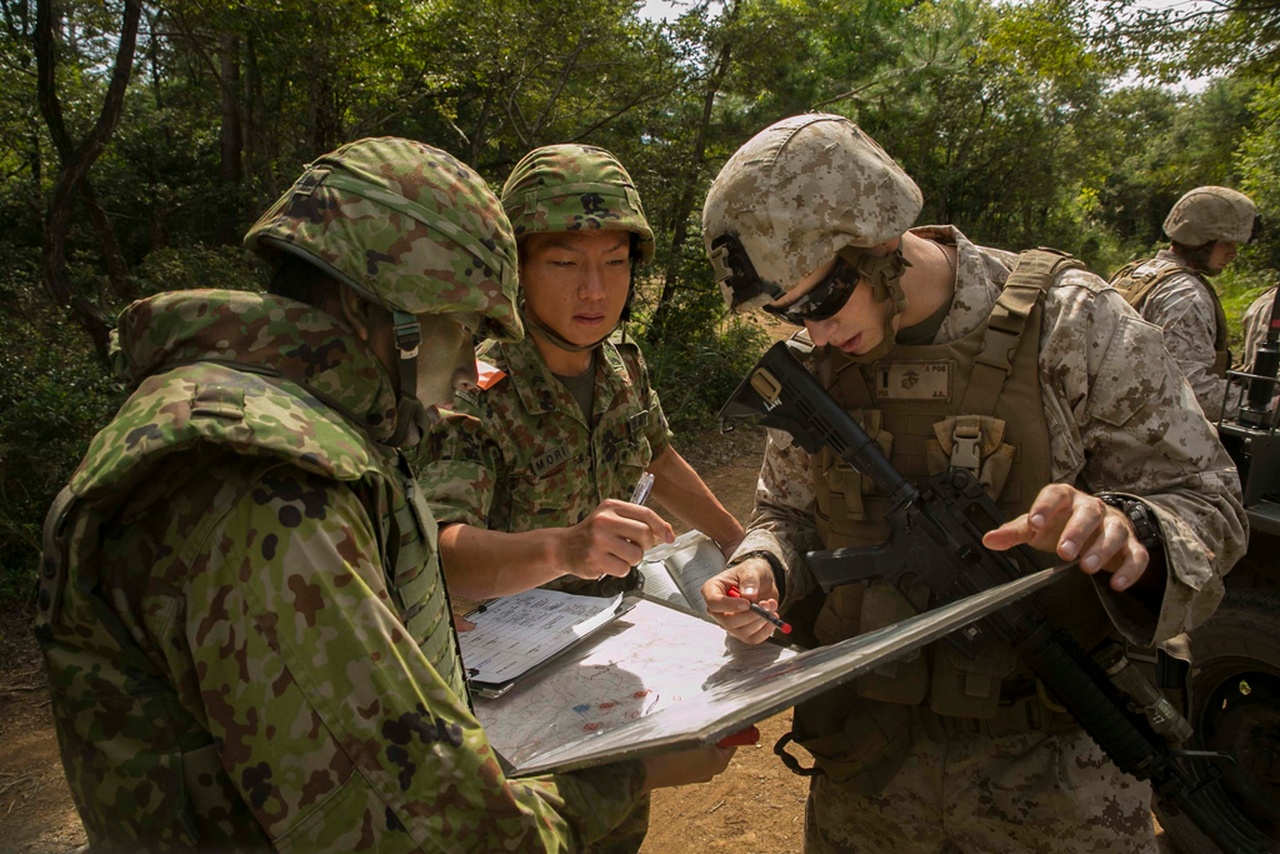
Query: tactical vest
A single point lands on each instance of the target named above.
(91, 651)
(973, 403)
(232, 413)
(1136, 288)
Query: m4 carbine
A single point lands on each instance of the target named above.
(935, 538)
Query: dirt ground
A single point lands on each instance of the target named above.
(755, 807)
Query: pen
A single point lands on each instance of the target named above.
(641, 493)
(782, 624)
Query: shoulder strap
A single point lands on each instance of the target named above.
(1134, 289)
(1034, 273)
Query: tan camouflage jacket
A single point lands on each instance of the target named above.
(1120, 417)
(1184, 307)
(520, 456)
(1256, 319)
(245, 623)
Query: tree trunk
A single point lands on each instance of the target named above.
(74, 167)
(684, 207)
(230, 139)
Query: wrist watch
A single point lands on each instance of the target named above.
(1139, 514)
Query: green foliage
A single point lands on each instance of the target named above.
(54, 395)
(1012, 117)
(702, 354)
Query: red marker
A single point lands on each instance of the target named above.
(742, 738)
(784, 626)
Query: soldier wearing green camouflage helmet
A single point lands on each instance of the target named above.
(539, 461)
(1206, 228)
(532, 471)
(247, 633)
(1029, 373)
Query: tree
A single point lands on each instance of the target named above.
(77, 158)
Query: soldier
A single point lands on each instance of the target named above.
(242, 614)
(532, 471)
(1256, 321)
(1206, 228)
(1035, 376)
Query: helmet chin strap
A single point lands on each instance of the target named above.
(884, 274)
(410, 413)
(546, 333)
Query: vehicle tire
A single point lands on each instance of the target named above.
(1235, 696)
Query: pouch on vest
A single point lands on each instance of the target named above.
(856, 609)
(973, 443)
(858, 744)
(849, 490)
(969, 688)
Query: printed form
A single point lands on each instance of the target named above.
(516, 633)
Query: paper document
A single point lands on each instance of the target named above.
(674, 573)
(515, 634)
(659, 679)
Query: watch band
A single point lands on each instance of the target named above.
(1144, 521)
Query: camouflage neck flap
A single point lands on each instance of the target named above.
(261, 333)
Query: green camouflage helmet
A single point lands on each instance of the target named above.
(407, 225)
(793, 197)
(572, 187)
(1211, 213)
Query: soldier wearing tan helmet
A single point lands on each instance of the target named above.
(1028, 372)
(243, 617)
(1206, 228)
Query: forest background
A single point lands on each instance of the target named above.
(138, 141)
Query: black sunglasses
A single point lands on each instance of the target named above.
(824, 299)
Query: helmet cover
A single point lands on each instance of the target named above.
(406, 225)
(795, 195)
(1211, 213)
(572, 187)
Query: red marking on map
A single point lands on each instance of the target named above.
(591, 727)
(642, 693)
(604, 707)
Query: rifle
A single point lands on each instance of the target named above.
(935, 538)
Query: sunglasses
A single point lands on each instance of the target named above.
(823, 300)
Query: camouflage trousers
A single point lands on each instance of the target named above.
(1028, 792)
(629, 835)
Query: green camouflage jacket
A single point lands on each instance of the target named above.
(243, 616)
(519, 456)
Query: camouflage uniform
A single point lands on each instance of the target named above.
(1118, 417)
(1180, 300)
(242, 612)
(1256, 319)
(520, 456)
(1032, 791)
(1187, 308)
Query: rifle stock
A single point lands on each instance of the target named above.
(935, 537)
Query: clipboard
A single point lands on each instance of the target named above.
(517, 636)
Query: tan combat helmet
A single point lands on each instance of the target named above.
(796, 195)
(1211, 213)
(410, 228)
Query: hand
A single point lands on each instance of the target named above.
(687, 766)
(462, 624)
(612, 539)
(1076, 526)
(754, 580)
